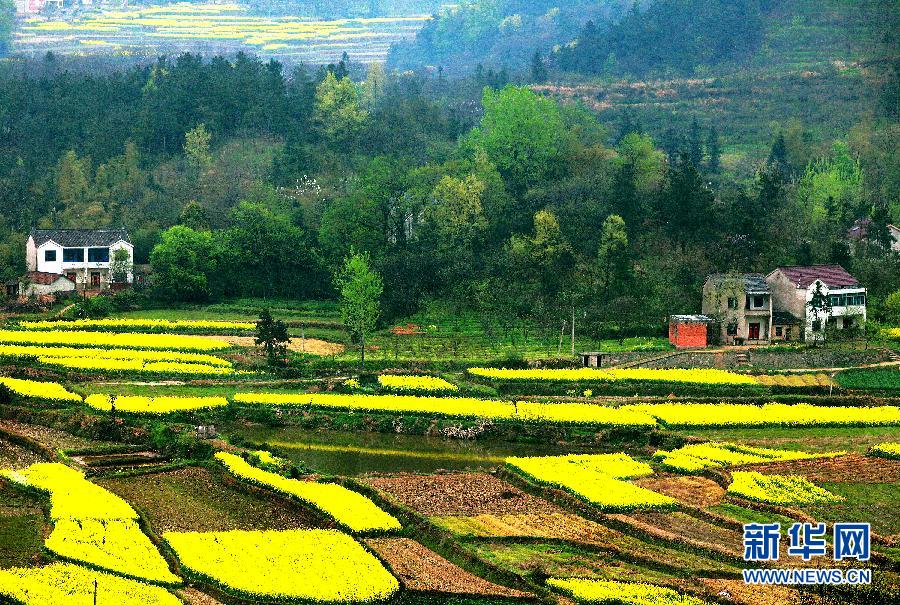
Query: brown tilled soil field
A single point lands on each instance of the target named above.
(681, 527)
(194, 499)
(852, 468)
(460, 494)
(692, 491)
(422, 570)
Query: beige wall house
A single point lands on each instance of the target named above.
(793, 287)
(741, 305)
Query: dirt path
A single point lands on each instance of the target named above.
(313, 346)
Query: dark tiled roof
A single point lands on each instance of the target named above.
(784, 318)
(834, 276)
(44, 279)
(80, 238)
(691, 319)
(753, 282)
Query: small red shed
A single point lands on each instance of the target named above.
(689, 331)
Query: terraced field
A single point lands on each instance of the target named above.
(212, 29)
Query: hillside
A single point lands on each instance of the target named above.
(812, 71)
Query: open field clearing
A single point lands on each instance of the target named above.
(213, 29)
(849, 469)
(422, 570)
(693, 491)
(460, 494)
(193, 499)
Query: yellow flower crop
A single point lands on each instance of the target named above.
(696, 376)
(596, 478)
(123, 340)
(66, 584)
(416, 383)
(580, 413)
(153, 405)
(125, 365)
(779, 489)
(886, 450)
(679, 415)
(117, 545)
(620, 593)
(795, 380)
(349, 508)
(93, 525)
(323, 566)
(891, 332)
(50, 391)
(700, 456)
(71, 495)
(444, 406)
(25, 351)
(151, 324)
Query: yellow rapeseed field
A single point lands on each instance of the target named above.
(586, 590)
(779, 489)
(50, 391)
(114, 324)
(696, 457)
(678, 415)
(596, 478)
(422, 384)
(572, 413)
(65, 584)
(696, 376)
(323, 566)
(112, 340)
(349, 508)
(135, 404)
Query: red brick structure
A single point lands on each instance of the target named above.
(689, 331)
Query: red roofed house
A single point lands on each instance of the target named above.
(793, 287)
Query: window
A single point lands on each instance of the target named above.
(732, 303)
(789, 333)
(856, 299)
(731, 330)
(49, 256)
(848, 323)
(779, 331)
(73, 277)
(758, 302)
(73, 255)
(837, 300)
(98, 255)
(817, 325)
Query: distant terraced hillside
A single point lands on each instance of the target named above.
(212, 29)
(814, 66)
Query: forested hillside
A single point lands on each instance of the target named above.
(235, 178)
(499, 33)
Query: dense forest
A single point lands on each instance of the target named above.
(235, 178)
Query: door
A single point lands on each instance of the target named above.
(754, 332)
(95, 279)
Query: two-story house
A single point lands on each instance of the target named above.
(741, 305)
(794, 287)
(85, 256)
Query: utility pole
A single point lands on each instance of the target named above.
(573, 329)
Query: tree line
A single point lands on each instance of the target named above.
(236, 179)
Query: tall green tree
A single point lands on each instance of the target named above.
(523, 135)
(273, 335)
(339, 110)
(184, 263)
(360, 289)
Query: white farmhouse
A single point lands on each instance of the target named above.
(84, 256)
(793, 287)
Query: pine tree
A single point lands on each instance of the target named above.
(538, 69)
(695, 145)
(714, 150)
